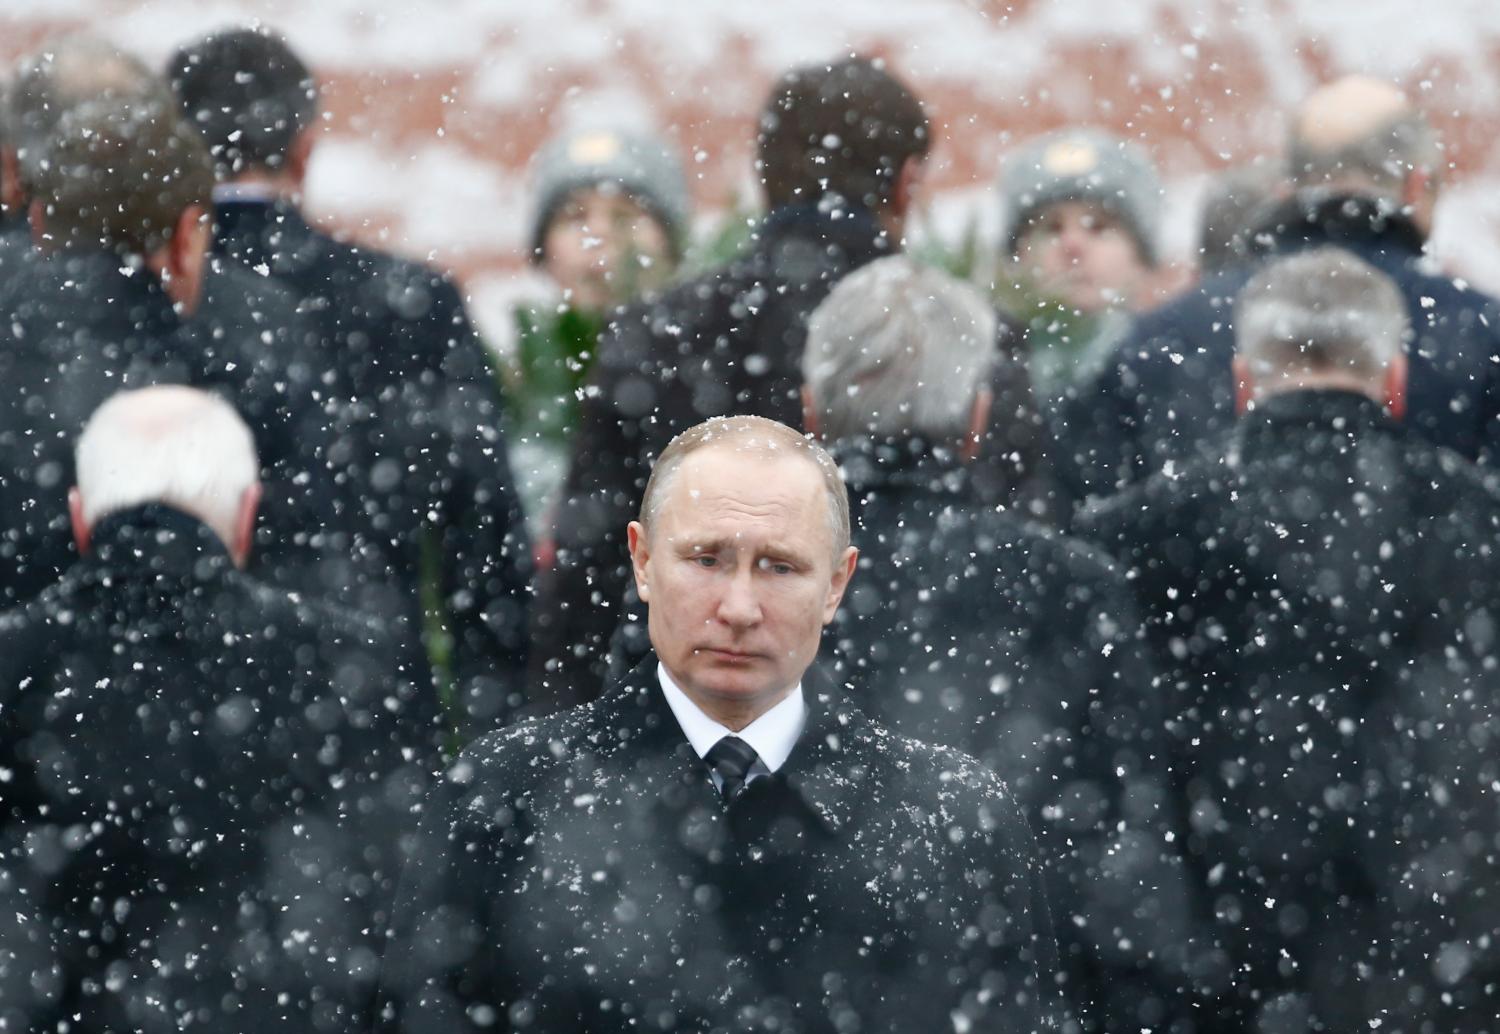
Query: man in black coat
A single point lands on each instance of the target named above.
(206, 780)
(722, 841)
(1325, 593)
(429, 517)
(1364, 165)
(729, 342)
(975, 630)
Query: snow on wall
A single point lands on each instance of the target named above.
(435, 109)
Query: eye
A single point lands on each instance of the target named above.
(706, 560)
(776, 566)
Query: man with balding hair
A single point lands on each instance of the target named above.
(1325, 596)
(723, 841)
(206, 779)
(1366, 170)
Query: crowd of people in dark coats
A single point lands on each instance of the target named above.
(1154, 684)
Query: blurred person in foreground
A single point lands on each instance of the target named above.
(1365, 169)
(1326, 593)
(118, 198)
(723, 841)
(205, 778)
(432, 534)
(730, 342)
(971, 628)
(1236, 202)
(609, 220)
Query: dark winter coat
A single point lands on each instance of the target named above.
(1327, 596)
(75, 329)
(421, 469)
(966, 627)
(206, 785)
(581, 873)
(729, 342)
(1171, 389)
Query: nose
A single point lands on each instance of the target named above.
(739, 608)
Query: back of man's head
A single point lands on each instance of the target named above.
(844, 129)
(176, 446)
(1320, 318)
(249, 95)
(899, 350)
(1359, 131)
(120, 174)
(68, 73)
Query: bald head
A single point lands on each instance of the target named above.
(1359, 132)
(176, 446)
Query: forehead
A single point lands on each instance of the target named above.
(743, 489)
(1076, 208)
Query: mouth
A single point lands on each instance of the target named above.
(728, 656)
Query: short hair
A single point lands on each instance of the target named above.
(1320, 311)
(899, 350)
(249, 95)
(751, 434)
(843, 129)
(67, 73)
(1385, 156)
(168, 444)
(119, 174)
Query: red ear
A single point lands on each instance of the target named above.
(1395, 388)
(81, 530)
(1244, 391)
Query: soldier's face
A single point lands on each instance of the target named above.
(1083, 255)
(740, 574)
(603, 247)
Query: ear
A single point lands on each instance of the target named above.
(809, 413)
(979, 422)
(299, 155)
(908, 182)
(244, 525)
(1244, 390)
(36, 215)
(1395, 387)
(640, 558)
(843, 570)
(181, 265)
(12, 196)
(81, 529)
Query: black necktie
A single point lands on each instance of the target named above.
(731, 757)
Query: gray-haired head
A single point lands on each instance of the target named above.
(1359, 131)
(899, 350)
(177, 446)
(66, 74)
(1322, 316)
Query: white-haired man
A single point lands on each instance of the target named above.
(181, 745)
(1324, 597)
(972, 629)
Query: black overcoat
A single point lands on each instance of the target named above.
(206, 782)
(580, 873)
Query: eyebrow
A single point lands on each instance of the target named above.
(721, 543)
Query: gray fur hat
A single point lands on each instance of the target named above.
(1082, 165)
(640, 165)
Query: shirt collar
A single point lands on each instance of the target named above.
(252, 192)
(772, 735)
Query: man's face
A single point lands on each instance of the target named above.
(1083, 255)
(605, 248)
(739, 573)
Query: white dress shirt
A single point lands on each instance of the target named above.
(772, 736)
